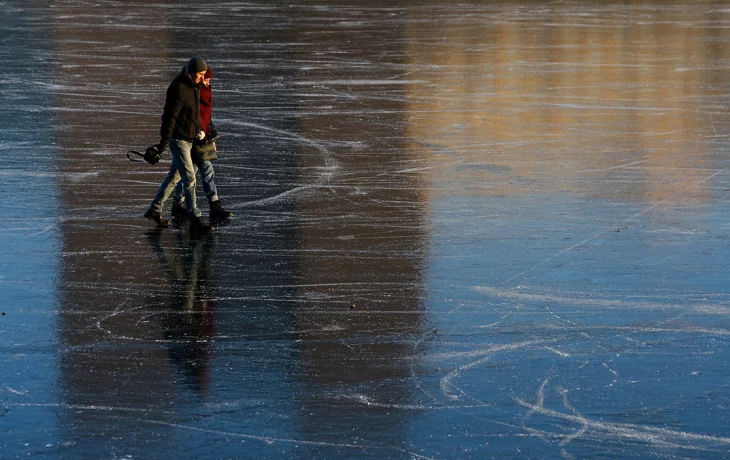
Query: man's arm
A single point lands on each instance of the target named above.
(173, 106)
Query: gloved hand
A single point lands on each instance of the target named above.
(162, 146)
(213, 132)
(152, 154)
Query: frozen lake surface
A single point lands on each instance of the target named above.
(462, 231)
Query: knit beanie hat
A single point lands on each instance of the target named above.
(208, 73)
(196, 65)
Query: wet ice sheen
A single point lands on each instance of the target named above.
(527, 205)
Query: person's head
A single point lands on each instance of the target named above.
(208, 75)
(196, 68)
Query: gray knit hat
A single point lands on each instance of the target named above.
(196, 65)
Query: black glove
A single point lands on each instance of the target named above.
(213, 132)
(161, 146)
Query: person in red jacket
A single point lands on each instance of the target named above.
(207, 173)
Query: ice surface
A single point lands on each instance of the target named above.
(463, 230)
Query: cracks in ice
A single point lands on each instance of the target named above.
(612, 371)
(365, 446)
(672, 200)
(598, 429)
(16, 392)
(269, 440)
(459, 399)
(330, 165)
(453, 392)
(369, 401)
(583, 300)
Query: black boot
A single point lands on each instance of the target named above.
(156, 217)
(217, 213)
(197, 225)
(178, 210)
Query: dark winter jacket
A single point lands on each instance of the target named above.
(181, 116)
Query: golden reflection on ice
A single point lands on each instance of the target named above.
(624, 109)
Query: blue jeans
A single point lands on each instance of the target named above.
(207, 174)
(181, 170)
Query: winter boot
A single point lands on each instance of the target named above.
(178, 210)
(217, 213)
(197, 225)
(156, 217)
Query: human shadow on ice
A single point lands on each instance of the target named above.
(188, 320)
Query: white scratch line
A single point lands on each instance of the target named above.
(641, 213)
(363, 399)
(266, 439)
(625, 165)
(557, 352)
(583, 421)
(657, 436)
(16, 392)
(45, 230)
(272, 440)
(446, 381)
(599, 303)
(329, 162)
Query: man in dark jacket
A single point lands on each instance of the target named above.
(207, 172)
(180, 127)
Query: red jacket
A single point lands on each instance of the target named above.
(206, 108)
(206, 104)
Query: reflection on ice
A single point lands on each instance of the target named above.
(462, 231)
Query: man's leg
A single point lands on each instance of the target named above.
(154, 212)
(178, 210)
(181, 158)
(163, 193)
(178, 193)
